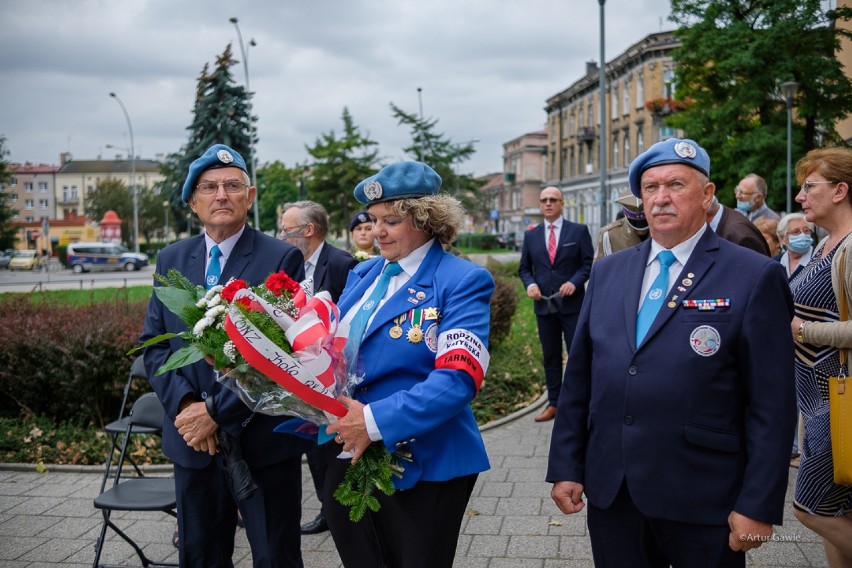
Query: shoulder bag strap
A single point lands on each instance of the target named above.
(842, 306)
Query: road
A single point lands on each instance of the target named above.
(28, 281)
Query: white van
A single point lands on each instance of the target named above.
(83, 257)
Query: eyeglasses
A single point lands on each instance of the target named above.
(287, 232)
(549, 200)
(808, 185)
(743, 192)
(797, 232)
(212, 187)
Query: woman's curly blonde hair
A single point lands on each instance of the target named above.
(440, 216)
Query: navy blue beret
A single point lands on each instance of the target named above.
(216, 156)
(670, 151)
(398, 181)
(360, 217)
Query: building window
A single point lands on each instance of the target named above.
(614, 102)
(13, 181)
(29, 219)
(640, 141)
(572, 167)
(15, 214)
(572, 120)
(28, 187)
(73, 192)
(42, 187)
(666, 132)
(13, 197)
(29, 204)
(591, 117)
(640, 90)
(42, 203)
(668, 83)
(625, 97)
(615, 161)
(626, 138)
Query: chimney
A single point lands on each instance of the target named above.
(591, 67)
(64, 158)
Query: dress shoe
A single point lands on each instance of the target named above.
(549, 413)
(316, 526)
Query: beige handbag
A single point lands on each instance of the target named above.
(840, 401)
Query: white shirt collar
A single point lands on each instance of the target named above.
(315, 256)
(682, 251)
(226, 247)
(414, 259)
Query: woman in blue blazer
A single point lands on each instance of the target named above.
(422, 357)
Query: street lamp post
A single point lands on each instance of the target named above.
(132, 184)
(789, 88)
(252, 43)
(166, 206)
(602, 138)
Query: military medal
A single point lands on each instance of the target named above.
(396, 331)
(415, 333)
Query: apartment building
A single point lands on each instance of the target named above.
(31, 191)
(75, 179)
(640, 86)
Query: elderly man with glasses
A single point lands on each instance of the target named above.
(556, 260)
(205, 422)
(751, 198)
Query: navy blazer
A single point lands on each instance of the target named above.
(574, 256)
(332, 270)
(698, 419)
(254, 257)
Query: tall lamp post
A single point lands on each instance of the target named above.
(252, 43)
(166, 206)
(789, 88)
(602, 138)
(132, 184)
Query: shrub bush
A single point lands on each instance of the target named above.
(66, 361)
(504, 302)
(482, 241)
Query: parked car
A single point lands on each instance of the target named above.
(25, 260)
(83, 257)
(507, 241)
(5, 258)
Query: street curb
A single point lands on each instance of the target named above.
(167, 468)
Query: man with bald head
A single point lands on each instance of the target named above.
(556, 260)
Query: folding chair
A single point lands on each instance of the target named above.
(137, 493)
(118, 426)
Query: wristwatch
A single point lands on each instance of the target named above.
(800, 334)
(208, 403)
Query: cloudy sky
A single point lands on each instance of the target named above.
(485, 67)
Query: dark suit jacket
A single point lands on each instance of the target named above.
(254, 257)
(574, 255)
(332, 269)
(698, 419)
(735, 227)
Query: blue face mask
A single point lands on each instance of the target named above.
(801, 243)
(744, 206)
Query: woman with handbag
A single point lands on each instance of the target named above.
(821, 292)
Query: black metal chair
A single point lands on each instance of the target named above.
(117, 427)
(136, 493)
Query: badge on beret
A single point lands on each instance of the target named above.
(373, 190)
(224, 156)
(685, 150)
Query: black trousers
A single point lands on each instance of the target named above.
(207, 516)
(415, 528)
(552, 330)
(622, 537)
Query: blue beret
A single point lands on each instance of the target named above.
(670, 151)
(360, 217)
(398, 181)
(216, 156)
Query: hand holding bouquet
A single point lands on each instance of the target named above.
(279, 350)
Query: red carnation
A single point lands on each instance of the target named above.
(232, 288)
(245, 302)
(279, 282)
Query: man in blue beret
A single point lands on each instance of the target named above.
(200, 414)
(678, 401)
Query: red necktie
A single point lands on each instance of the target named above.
(551, 244)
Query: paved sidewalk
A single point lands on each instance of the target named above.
(48, 519)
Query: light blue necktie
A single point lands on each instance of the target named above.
(359, 322)
(655, 296)
(214, 269)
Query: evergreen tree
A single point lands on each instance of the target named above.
(338, 165)
(733, 57)
(8, 231)
(220, 116)
(442, 154)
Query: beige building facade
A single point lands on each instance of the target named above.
(640, 86)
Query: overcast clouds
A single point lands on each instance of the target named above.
(486, 68)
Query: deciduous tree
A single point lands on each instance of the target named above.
(8, 232)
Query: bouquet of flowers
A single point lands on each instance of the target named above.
(280, 350)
